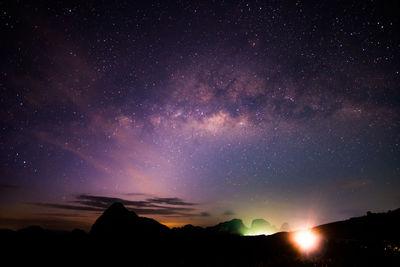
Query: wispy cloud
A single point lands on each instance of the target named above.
(8, 187)
(67, 207)
(170, 201)
(136, 194)
(152, 206)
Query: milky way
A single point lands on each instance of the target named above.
(199, 113)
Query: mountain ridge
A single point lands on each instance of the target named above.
(120, 235)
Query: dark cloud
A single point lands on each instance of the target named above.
(153, 206)
(188, 215)
(136, 194)
(229, 213)
(177, 212)
(60, 214)
(67, 207)
(170, 201)
(104, 202)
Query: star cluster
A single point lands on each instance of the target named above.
(199, 112)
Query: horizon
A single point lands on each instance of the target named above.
(249, 229)
(199, 112)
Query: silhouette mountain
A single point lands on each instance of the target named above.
(119, 236)
(261, 226)
(285, 227)
(117, 221)
(373, 226)
(234, 226)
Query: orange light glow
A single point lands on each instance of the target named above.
(306, 240)
(174, 224)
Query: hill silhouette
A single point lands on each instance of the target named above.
(117, 222)
(373, 226)
(234, 226)
(120, 236)
(261, 226)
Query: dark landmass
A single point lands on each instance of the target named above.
(234, 226)
(119, 236)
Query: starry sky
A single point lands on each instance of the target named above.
(198, 112)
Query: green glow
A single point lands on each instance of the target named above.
(259, 227)
(255, 232)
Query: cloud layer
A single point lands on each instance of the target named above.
(169, 207)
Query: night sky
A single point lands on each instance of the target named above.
(198, 112)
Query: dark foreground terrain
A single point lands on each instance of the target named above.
(121, 238)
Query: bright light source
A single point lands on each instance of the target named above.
(306, 240)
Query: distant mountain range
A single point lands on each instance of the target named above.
(119, 236)
(117, 220)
